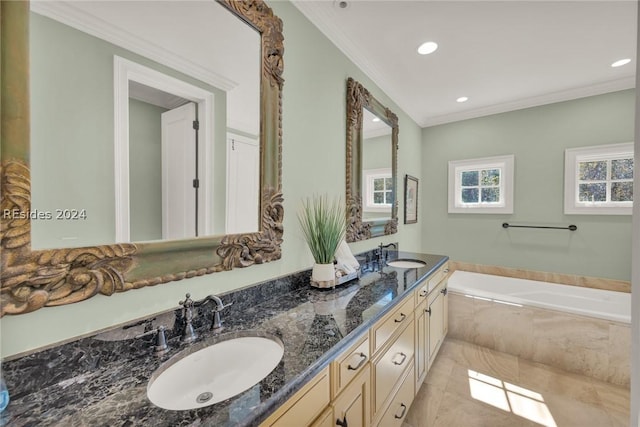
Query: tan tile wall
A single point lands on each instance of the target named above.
(542, 276)
(593, 347)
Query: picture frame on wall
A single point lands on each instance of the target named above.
(410, 199)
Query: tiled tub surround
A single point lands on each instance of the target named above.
(544, 276)
(102, 379)
(596, 347)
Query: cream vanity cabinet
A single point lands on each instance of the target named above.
(431, 315)
(374, 381)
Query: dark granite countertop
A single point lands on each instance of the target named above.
(101, 380)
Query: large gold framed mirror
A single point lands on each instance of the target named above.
(58, 267)
(372, 144)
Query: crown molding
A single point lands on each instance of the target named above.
(534, 101)
(70, 15)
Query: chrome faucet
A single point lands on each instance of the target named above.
(217, 323)
(382, 255)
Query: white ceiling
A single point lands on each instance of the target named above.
(503, 55)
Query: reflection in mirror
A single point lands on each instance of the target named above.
(140, 133)
(377, 182)
(372, 207)
(33, 279)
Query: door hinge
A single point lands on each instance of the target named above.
(196, 183)
(196, 125)
(428, 310)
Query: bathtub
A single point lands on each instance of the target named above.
(602, 304)
(581, 330)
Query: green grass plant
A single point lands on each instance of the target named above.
(323, 224)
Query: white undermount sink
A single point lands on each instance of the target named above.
(213, 373)
(406, 263)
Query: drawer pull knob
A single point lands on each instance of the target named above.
(342, 422)
(404, 409)
(402, 317)
(359, 365)
(404, 357)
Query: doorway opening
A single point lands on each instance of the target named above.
(183, 210)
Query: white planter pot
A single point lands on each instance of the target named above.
(323, 275)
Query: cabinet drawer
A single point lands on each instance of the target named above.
(349, 364)
(422, 292)
(303, 408)
(437, 277)
(399, 406)
(390, 366)
(384, 329)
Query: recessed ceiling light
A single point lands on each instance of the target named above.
(341, 4)
(462, 99)
(376, 119)
(621, 62)
(427, 48)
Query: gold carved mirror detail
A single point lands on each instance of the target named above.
(372, 144)
(32, 279)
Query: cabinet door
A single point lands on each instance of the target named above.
(445, 320)
(325, 419)
(352, 407)
(422, 343)
(436, 322)
(305, 406)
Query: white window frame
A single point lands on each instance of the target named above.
(506, 166)
(368, 176)
(572, 159)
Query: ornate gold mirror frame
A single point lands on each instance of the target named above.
(358, 98)
(35, 279)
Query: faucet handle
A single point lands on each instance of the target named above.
(223, 307)
(187, 303)
(216, 325)
(161, 340)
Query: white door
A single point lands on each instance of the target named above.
(178, 173)
(243, 181)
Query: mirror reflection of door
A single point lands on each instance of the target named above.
(243, 184)
(164, 153)
(179, 173)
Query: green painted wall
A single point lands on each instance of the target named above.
(537, 137)
(314, 129)
(145, 170)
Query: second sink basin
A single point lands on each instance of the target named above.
(406, 263)
(194, 379)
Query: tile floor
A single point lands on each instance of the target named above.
(473, 386)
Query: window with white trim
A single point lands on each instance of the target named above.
(378, 190)
(599, 180)
(481, 185)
